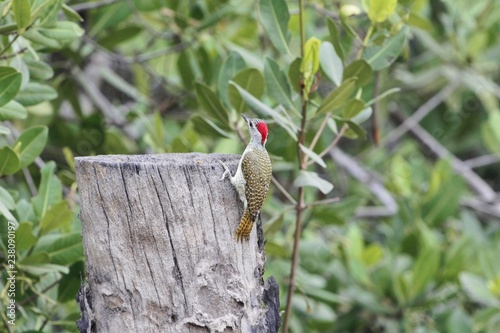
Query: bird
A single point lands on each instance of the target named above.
(253, 176)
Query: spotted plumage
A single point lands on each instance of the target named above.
(252, 177)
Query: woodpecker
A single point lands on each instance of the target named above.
(252, 177)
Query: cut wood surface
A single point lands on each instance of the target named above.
(158, 236)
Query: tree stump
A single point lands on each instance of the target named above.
(158, 237)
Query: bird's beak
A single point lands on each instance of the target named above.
(246, 118)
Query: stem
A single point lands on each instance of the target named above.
(365, 41)
(9, 44)
(302, 166)
(334, 142)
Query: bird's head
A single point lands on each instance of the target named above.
(258, 130)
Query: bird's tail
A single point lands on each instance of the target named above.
(245, 227)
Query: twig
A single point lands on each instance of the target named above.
(97, 97)
(349, 164)
(5, 57)
(9, 44)
(475, 182)
(93, 5)
(322, 202)
(481, 161)
(421, 112)
(283, 190)
(320, 131)
(339, 135)
(302, 166)
(375, 121)
(481, 207)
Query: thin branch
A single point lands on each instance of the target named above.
(376, 187)
(421, 112)
(481, 207)
(302, 166)
(283, 190)
(9, 44)
(320, 131)
(475, 182)
(322, 202)
(481, 161)
(339, 135)
(8, 56)
(97, 97)
(375, 116)
(93, 5)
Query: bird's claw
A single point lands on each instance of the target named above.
(226, 170)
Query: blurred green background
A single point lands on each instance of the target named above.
(396, 174)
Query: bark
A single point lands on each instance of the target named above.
(158, 237)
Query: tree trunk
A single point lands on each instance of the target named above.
(158, 236)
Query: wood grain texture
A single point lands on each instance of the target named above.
(160, 253)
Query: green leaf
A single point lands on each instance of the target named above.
(338, 97)
(70, 283)
(10, 81)
(37, 38)
(32, 143)
(25, 238)
(48, 14)
(353, 108)
(362, 116)
(39, 70)
(71, 13)
(38, 264)
(277, 84)
(356, 129)
(9, 161)
(475, 287)
(315, 157)
(63, 32)
(6, 204)
(459, 322)
(308, 178)
(310, 64)
(12, 110)
(372, 254)
(274, 17)
(424, 270)
(186, 70)
(490, 132)
(354, 248)
(359, 69)
(262, 109)
(209, 128)
(231, 66)
(57, 216)
(22, 14)
(335, 38)
(379, 10)
(382, 56)
(445, 192)
(63, 249)
(35, 93)
(294, 74)
(211, 104)
(110, 16)
(331, 63)
(252, 81)
(6, 29)
(400, 176)
(49, 192)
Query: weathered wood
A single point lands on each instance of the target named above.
(158, 236)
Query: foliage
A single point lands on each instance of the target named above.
(173, 76)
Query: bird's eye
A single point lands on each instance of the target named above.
(252, 125)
